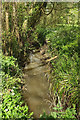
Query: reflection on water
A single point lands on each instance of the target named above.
(36, 86)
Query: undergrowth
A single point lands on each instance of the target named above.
(69, 113)
(63, 42)
(13, 106)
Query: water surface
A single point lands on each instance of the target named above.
(36, 85)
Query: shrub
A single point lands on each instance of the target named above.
(69, 113)
(10, 66)
(63, 42)
(13, 106)
(66, 78)
(64, 39)
(41, 32)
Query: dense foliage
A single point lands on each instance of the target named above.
(59, 114)
(66, 68)
(28, 26)
(13, 106)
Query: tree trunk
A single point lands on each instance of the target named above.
(7, 21)
(15, 28)
(34, 18)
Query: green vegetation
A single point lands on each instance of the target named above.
(68, 114)
(41, 34)
(66, 68)
(27, 27)
(13, 106)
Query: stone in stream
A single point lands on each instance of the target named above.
(42, 51)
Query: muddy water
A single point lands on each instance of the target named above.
(36, 85)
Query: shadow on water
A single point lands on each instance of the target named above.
(36, 86)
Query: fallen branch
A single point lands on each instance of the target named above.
(51, 59)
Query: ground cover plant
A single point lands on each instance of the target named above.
(13, 106)
(66, 68)
(69, 113)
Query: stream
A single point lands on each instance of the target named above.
(36, 88)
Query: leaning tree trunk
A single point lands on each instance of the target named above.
(34, 17)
